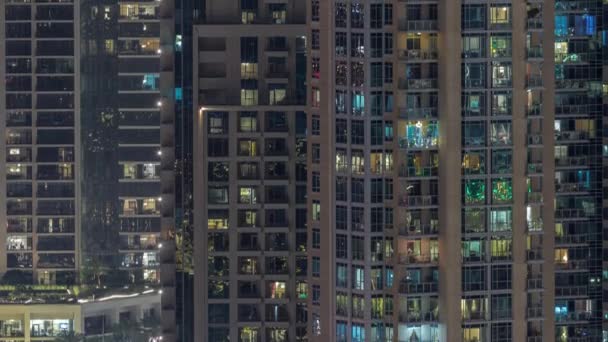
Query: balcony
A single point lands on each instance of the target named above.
(429, 258)
(572, 265)
(415, 288)
(534, 167)
(535, 254)
(534, 197)
(571, 239)
(418, 113)
(419, 55)
(534, 311)
(417, 317)
(571, 187)
(571, 291)
(474, 316)
(573, 316)
(534, 52)
(534, 109)
(572, 161)
(418, 84)
(535, 139)
(418, 200)
(420, 25)
(534, 23)
(561, 213)
(418, 171)
(420, 230)
(534, 81)
(534, 283)
(571, 135)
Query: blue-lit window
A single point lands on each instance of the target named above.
(358, 105)
(150, 81)
(561, 25)
(583, 177)
(178, 42)
(584, 25)
(418, 134)
(341, 331)
(358, 333)
(179, 94)
(389, 277)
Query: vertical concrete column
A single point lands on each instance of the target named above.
(548, 113)
(450, 265)
(520, 154)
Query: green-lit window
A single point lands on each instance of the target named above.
(500, 46)
(474, 191)
(502, 191)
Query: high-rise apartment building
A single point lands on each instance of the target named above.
(250, 238)
(81, 123)
(578, 49)
(39, 127)
(431, 168)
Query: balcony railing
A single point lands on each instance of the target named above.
(418, 201)
(571, 135)
(534, 283)
(535, 139)
(418, 83)
(418, 25)
(411, 287)
(419, 113)
(571, 187)
(534, 52)
(534, 81)
(419, 258)
(572, 239)
(534, 197)
(571, 291)
(535, 167)
(418, 54)
(535, 311)
(534, 254)
(572, 161)
(576, 213)
(572, 265)
(573, 316)
(416, 316)
(423, 171)
(420, 229)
